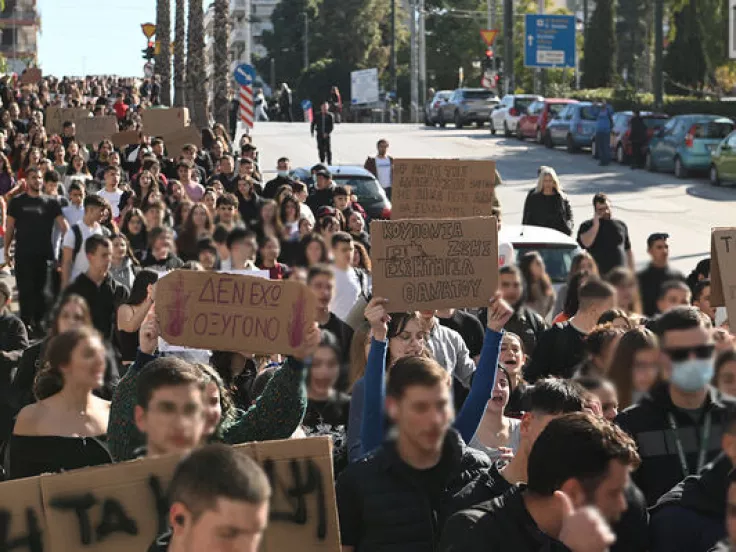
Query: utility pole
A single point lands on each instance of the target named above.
(541, 73)
(508, 46)
(393, 47)
(658, 54)
(414, 107)
(422, 56)
(489, 17)
(306, 41)
(585, 15)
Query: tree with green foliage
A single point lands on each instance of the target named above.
(634, 36)
(686, 62)
(599, 53)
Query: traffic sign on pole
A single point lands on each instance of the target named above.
(488, 36)
(245, 75)
(549, 41)
(149, 29)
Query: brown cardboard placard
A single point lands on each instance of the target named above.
(57, 116)
(231, 312)
(125, 138)
(442, 188)
(427, 264)
(122, 507)
(31, 76)
(91, 130)
(175, 140)
(723, 269)
(159, 122)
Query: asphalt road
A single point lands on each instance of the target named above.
(647, 202)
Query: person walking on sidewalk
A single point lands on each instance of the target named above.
(324, 123)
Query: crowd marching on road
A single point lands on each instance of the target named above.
(599, 415)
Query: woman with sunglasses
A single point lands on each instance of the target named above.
(372, 424)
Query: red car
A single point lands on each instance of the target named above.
(533, 123)
(620, 141)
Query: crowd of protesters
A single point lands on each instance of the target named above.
(595, 416)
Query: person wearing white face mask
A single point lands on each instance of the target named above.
(283, 168)
(678, 425)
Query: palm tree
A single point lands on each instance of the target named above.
(221, 72)
(179, 63)
(163, 59)
(196, 77)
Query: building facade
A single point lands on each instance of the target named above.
(19, 26)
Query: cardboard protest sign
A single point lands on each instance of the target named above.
(159, 122)
(229, 312)
(31, 76)
(177, 139)
(125, 138)
(432, 264)
(442, 188)
(122, 507)
(57, 116)
(723, 269)
(91, 130)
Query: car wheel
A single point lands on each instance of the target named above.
(548, 140)
(519, 135)
(539, 136)
(649, 162)
(714, 178)
(680, 170)
(493, 128)
(479, 124)
(427, 122)
(571, 147)
(441, 120)
(458, 120)
(506, 131)
(620, 155)
(593, 149)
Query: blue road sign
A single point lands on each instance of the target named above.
(306, 104)
(549, 41)
(245, 74)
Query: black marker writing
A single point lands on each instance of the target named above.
(725, 240)
(33, 541)
(115, 520)
(303, 484)
(80, 504)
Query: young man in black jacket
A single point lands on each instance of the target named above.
(656, 273)
(323, 123)
(678, 425)
(578, 470)
(396, 498)
(219, 501)
(729, 544)
(561, 348)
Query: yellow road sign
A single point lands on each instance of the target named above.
(149, 29)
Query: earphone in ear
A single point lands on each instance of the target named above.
(179, 520)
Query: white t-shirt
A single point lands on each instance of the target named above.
(506, 255)
(73, 214)
(80, 264)
(383, 168)
(113, 198)
(347, 291)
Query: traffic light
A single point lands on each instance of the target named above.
(488, 59)
(148, 52)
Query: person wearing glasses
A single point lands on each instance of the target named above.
(678, 425)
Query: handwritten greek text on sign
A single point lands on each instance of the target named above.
(442, 188)
(723, 269)
(433, 264)
(122, 507)
(228, 312)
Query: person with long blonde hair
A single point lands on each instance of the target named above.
(547, 204)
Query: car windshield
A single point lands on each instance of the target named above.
(655, 122)
(367, 189)
(478, 94)
(554, 109)
(524, 103)
(588, 113)
(442, 95)
(557, 258)
(713, 130)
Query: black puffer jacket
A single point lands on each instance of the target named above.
(550, 211)
(384, 507)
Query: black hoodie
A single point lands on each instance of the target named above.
(691, 516)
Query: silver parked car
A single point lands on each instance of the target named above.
(467, 105)
(432, 109)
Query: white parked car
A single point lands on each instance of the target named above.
(505, 117)
(557, 249)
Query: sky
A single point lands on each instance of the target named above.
(93, 37)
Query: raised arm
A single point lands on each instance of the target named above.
(280, 409)
(499, 313)
(372, 428)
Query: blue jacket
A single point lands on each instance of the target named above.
(603, 123)
(372, 430)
